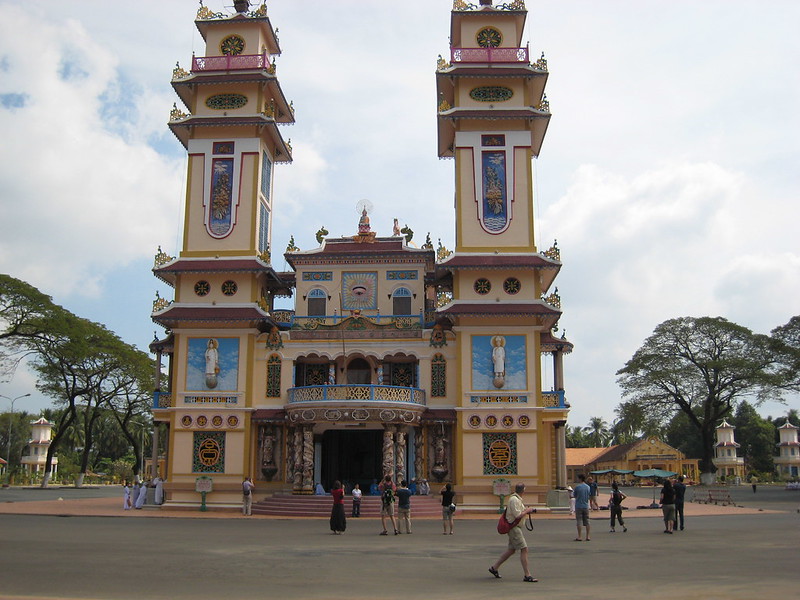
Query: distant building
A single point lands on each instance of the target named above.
(648, 453)
(728, 464)
(787, 463)
(34, 456)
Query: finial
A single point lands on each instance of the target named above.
(241, 6)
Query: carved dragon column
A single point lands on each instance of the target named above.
(388, 451)
(419, 458)
(400, 458)
(267, 451)
(297, 466)
(308, 460)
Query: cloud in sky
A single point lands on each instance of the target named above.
(668, 173)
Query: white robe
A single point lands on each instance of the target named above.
(159, 484)
(141, 496)
(126, 497)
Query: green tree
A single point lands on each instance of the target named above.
(681, 433)
(576, 438)
(756, 437)
(632, 424)
(597, 432)
(703, 367)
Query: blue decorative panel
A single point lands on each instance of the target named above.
(401, 275)
(212, 364)
(317, 275)
(495, 198)
(499, 453)
(499, 362)
(220, 218)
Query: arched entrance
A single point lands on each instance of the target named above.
(351, 456)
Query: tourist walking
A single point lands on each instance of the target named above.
(387, 489)
(338, 521)
(615, 506)
(247, 496)
(448, 508)
(515, 511)
(668, 505)
(593, 491)
(680, 494)
(754, 483)
(582, 508)
(404, 507)
(357, 500)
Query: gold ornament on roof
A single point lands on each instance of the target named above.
(460, 5)
(178, 73)
(162, 257)
(265, 256)
(269, 109)
(160, 303)
(289, 144)
(541, 64)
(553, 252)
(292, 247)
(428, 245)
(441, 252)
(272, 68)
(444, 105)
(544, 105)
(442, 64)
(553, 299)
(291, 106)
(261, 11)
(175, 114)
(204, 13)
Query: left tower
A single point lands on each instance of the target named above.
(224, 283)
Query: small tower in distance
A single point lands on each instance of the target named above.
(725, 459)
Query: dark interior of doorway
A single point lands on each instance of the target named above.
(351, 457)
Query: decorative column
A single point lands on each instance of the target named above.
(331, 373)
(297, 467)
(154, 454)
(400, 458)
(308, 460)
(419, 457)
(560, 432)
(388, 451)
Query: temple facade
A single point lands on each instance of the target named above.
(414, 362)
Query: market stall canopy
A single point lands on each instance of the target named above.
(611, 472)
(652, 473)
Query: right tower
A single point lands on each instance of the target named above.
(492, 118)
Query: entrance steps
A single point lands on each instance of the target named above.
(290, 505)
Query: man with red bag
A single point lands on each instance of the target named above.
(515, 511)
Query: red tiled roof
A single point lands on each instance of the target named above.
(212, 314)
(499, 261)
(500, 309)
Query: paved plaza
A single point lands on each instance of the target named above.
(85, 546)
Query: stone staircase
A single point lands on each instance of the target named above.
(290, 505)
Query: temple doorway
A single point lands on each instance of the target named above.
(351, 457)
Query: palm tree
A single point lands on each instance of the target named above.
(598, 432)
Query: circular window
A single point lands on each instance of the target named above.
(229, 288)
(226, 101)
(201, 288)
(489, 37)
(232, 45)
(482, 286)
(511, 285)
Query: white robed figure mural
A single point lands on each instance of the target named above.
(499, 360)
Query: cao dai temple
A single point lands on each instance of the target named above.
(396, 359)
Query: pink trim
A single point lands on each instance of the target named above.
(489, 55)
(202, 64)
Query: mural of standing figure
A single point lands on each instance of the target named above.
(499, 360)
(212, 363)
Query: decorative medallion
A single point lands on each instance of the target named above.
(474, 421)
(407, 416)
(186, 421)
(508, 421)
(229, 288)
(201, 288)
(202, 421)
(482, 286)
(309, 415)
(491, 421)
(359, 290)
(333, 414)
(512, 285)
(209, 452)
(233, 421)
(226, 102)
(216, 421)
(360, 414)
(387, 415)
(491, 93)
(524, 420)
(489, 37)
(232, 45)
(499, 453)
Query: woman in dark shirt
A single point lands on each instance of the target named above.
(668, 505)
(338, 522)
(447, 514)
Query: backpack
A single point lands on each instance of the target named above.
(388, 496)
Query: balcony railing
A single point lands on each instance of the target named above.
(230, 63)
(162, 399)
(554, 399)
(489, 55)
(357, 393)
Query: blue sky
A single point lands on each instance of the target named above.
(668, 174)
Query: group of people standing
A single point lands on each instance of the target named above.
(672, 497)
(135, 496)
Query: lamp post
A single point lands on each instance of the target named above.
(10, 422)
